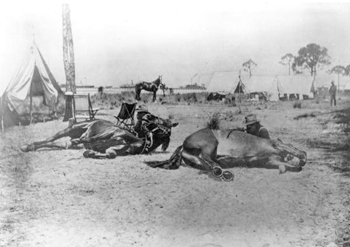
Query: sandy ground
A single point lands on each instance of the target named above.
(59, 198)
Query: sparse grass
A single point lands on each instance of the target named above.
(214, 121)
(297, 104)
(306, 115)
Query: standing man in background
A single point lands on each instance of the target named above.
(333, 92)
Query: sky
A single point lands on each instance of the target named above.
(116, 42)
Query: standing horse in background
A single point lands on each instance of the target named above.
(148, 86)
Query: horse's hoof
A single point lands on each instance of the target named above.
(111, 154)
(227, 176)
(217, 171)
(89, 154)
(24, 148)
(27, 148)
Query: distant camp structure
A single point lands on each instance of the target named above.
(33, 83)
(268, 87)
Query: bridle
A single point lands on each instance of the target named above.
(164, 132)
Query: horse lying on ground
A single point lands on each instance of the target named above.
(150, 87)
(213, 150)
(104, 139)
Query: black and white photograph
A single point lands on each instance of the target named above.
(175, 123)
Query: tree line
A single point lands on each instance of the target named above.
(311, 58)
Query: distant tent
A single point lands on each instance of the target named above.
(324, 80)
(347, 86)
(202, 79)
(33, 78)
(267, 84)
(227, 82)
(298, 84)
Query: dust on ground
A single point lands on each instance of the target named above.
(59, 198)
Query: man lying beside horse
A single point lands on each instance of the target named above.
(104, 139)
(212, 150)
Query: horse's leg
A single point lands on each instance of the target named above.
(154, 95)
(137, 93)
(68, 132)
(204, 146)
(195, 161)
(123, 143)
(110, 153)
(203, 165)
(57, 144)
(165, 143)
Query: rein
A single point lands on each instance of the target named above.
(165, 131)
(235, 129)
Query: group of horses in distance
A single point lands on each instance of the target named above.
(152, 86)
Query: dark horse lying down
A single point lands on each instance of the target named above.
(104, 139)
(148, 86)
(213, 150)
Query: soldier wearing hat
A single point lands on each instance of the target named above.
(254, 127)
(143, 116)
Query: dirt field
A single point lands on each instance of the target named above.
(58, 198)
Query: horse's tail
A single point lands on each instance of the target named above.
(173, 163)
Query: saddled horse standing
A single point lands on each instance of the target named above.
(148, 86)
(104, 139)
(213, 150)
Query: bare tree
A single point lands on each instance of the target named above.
(340, 70)
(249, 66)
(288, 59)
(347, 70)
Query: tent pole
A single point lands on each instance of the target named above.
(2, 115)
(31, 102)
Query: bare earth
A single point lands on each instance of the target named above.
(59, 198)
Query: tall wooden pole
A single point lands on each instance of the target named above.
(2, 113)
(68, 60)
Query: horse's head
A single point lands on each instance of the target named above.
(161, 130)
(288, 151)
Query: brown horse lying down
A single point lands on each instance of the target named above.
(214, 150)
(104, 139)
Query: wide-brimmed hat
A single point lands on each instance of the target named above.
(142, 108)
(250, 119)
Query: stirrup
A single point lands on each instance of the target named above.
(217, 171)
(227, 176)
(89, 154)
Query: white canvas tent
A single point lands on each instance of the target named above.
(324, 80)
(297, 84)
(227, 82)
(33, 78)
(347, 85)
(202, 79)
(267, 84)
